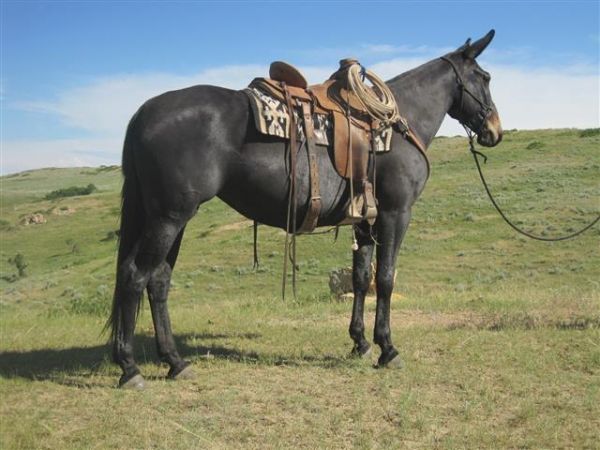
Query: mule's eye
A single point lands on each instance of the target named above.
(486, 76)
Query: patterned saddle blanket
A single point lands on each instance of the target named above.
(271, 117)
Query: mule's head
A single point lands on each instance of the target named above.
(473, 105)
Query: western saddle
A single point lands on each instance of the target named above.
(353, 129)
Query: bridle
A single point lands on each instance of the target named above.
(475, 124)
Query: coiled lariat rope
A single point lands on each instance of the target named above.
(379, 100)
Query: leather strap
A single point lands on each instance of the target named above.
(293, 158)
(314, 204)
(402, 127)
(291, 212)
(416, 141)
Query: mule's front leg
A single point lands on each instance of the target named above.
(391, 227)
(361, 277)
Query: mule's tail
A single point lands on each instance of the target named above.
(132, 222)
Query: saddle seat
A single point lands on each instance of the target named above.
(351, 122)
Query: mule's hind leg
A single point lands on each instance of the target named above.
(361, 276)
(158, 291)
(132, 278)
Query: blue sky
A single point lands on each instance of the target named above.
(73, 72)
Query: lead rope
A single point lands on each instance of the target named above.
(476, 155)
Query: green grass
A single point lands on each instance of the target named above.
(500, 335)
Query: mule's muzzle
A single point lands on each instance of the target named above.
(490, 134)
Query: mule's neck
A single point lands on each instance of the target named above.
(424, 95)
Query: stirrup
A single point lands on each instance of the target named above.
(362, 207)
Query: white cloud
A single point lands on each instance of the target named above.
(544, 98)
(424, 50)
(392, 67)
(34, 154)
(370, 51)
(526, 99)
(106, 105)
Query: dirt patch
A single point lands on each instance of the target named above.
(400, 319)
(370, 298)
(434, 319)
(437, 236)
(63, 211)
(532, 321)
(233, 226)
(460, 320)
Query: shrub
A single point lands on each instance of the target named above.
(111, 235)
(73, 246)
(535, 145)
(19, 262)
(107, 168)
(97, 304)
(81, 303)
(71, 192)
(590, 132)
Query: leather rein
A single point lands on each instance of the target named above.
(474, 127)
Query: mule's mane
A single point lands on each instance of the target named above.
(424, 95)
(409, 74)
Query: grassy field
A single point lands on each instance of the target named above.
(500, 335)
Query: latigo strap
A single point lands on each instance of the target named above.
(314, 204)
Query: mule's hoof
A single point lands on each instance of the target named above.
(187, 373)
(136, 383)
(362, 353)
(396, 363)
(391, 360)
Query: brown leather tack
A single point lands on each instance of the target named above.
(352, 137)
(282, 71)
(314, 204)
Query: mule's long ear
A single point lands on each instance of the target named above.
(474, 50)
(464, 47)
